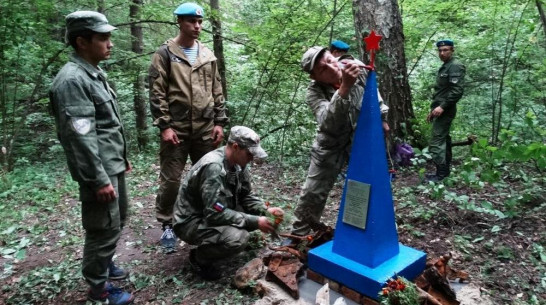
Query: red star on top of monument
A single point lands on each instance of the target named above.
(372, 41)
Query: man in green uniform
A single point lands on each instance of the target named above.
(216, 208)
(187, 105)
(90, 131)
(447, 92)
(335, 97)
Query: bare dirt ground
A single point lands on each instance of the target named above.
(497, 253)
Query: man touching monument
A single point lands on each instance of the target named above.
(335, 96)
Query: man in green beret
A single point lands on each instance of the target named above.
(216, 208)
(187, 105)
(447, 92)
(90, 130)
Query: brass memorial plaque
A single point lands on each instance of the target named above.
(357, 198)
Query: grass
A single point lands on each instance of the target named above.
(488, 224)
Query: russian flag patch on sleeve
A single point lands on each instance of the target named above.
(219, 207)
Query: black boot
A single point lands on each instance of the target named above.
(442, 171)
(449, 150)
(449, 155)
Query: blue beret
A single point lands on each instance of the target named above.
(190, 9)
(445, 42)
(338, 44)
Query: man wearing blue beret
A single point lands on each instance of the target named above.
(339, 48)
(187, 105)
(447, 92)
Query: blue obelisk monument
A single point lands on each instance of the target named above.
(365, 251)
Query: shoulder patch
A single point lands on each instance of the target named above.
(219, 207)
(81, 125)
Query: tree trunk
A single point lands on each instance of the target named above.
(332, 24)
(383, 16)
(100, 6)
(542, 16)
(218, 42)
(139, 100)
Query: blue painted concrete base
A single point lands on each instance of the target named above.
(408, 263)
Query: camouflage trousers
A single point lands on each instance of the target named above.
(323, 171)
(440, 141)
(213, 243)
(103, 223)
(172, 160)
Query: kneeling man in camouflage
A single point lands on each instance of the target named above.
(216, 209)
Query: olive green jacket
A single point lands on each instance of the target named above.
(337, 117)
(218, 195)
(449, 85)
(88, 123)
(186, 98)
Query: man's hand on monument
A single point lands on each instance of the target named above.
(106, 194)
(168, 135)
(217, 135)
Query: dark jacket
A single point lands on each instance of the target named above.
(219, 196)
(88, 123)
(449, 85)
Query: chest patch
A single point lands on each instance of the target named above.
(175, 59)
(81, 125)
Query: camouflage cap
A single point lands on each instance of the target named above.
(310, 57)
(87, 20)
(247, 138)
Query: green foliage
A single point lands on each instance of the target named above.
(267, 86)
(32, 188)
(44, 283)
(501, 43)
(539, 252)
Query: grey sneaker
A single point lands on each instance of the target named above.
(168, 240)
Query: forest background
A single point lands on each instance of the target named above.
(498, 181)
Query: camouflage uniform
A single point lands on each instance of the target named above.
(336, 118)
(189, 99)
(216, 209)
(90, 131)
(447, 92)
